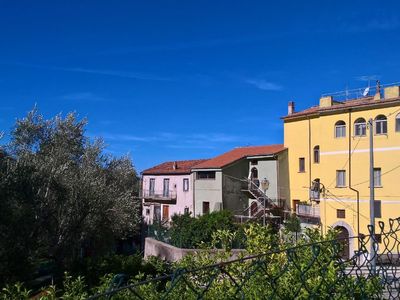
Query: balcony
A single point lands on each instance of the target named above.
(308, 213)
(164, 197)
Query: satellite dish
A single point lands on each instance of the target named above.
(366, 91)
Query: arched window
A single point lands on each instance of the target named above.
(340, 129)
(380, 124)
(398, 122)
(316, 154)
(360, 127)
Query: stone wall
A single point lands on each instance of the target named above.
(170, 253)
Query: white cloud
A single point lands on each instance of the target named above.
(264, 84)
(83, 96)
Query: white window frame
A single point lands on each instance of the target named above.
(380, 125)
(152, 186)
(397, 126)
(377, 177)
(185, 184)
(340, 178)
(360, 128)
(340, 127)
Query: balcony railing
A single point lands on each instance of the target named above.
(159, 196)
(307, 210)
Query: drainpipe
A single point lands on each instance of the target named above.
(194, 198)
(350, 187)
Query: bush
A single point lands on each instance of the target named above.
(93, 269)
(190, 232)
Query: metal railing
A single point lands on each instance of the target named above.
(307, 271)
(307, 210)
(159, 195)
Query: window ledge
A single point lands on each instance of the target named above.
(301, 171)
(341, 186)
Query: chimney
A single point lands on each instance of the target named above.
(392, 92)
(291, 107)
(326, 101)
(378, 91)
(175, 166)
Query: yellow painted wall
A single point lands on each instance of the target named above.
(300, 137)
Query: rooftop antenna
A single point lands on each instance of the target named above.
(366, 91)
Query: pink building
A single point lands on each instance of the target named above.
(167, 189)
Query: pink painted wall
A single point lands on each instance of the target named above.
(184, 198)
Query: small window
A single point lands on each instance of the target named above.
(316, 155)
(186, 211)
(147, 211)
(166, 187)
(378, 208)
(185, 184)
(152, 186)
(340, 129)
(302, 164)
(206, 207)
(398, 122)
(380, 125)
(340, 178)
(377, 177)
(360, 127)
(206, 175)
(254, 162)
(341, 213)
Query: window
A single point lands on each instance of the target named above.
(166, 187)
(186, 211)
(165, 213)
(151, 186)
(206, 175)
(341, 213)
(302, 164)
(380, 125)
(340, 178)
(147, 211)
(378, 209)
(206, 207)
(360, 127)
(316, 155)
(377, 177)
(185, 184)
(340, 129)
(398, 123)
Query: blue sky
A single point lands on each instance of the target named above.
(171, 80)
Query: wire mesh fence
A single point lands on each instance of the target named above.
(318, 270)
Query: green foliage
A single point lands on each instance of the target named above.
(292, 224)
(60, 194)
(190, 232)
(15, 291)
(93, 269)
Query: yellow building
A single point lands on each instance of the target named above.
(329, 143)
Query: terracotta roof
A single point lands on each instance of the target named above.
(366, 102)
(182, 167)
(238, 153)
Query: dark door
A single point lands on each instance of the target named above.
(157, 213)
(343, 238)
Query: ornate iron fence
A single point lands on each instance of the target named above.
(308, 271)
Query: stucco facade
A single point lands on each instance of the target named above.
(331, 132)
(167, 189)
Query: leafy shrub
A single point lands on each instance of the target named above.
(190, 232)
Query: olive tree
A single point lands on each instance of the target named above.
(64, 191)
